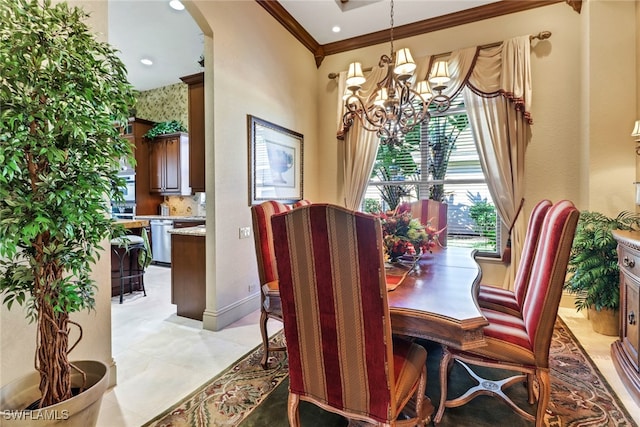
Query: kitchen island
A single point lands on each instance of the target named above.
(188, 271)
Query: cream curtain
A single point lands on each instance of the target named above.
(360, 146)
(497, 97)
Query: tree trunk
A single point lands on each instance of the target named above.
(53, 340)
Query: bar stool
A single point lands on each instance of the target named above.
(130, 245)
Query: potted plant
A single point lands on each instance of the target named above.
(593, 267)
(164, 128)
(61, 91)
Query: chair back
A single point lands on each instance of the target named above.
(531, 239)
(300, 203)
(547, 278)
(429, 211)
(335, 310)
(263, 238)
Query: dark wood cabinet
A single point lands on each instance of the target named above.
(196, 131)
(146, 203)
(186, 223)
(625, 351)
(169, 164)
(188, 274)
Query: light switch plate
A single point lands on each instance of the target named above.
(244, 232)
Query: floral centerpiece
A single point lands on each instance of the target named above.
(405, 235)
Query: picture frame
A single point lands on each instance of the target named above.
(275, 162)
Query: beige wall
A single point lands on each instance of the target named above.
(258, 68)
(17, 337)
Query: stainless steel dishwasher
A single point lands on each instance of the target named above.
(161, 240)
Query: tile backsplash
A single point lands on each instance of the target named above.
(186, 205)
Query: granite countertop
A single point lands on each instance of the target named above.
(172, 217)
(133, 223)
(199, 230)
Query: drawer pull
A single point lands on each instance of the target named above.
(628, 262)
(632, 318)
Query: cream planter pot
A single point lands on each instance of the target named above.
(79, 411)
(605, 322)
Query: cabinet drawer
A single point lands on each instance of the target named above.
(630, 261)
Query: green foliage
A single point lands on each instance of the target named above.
(593, 263)
(372, 206)
(484, 215)
(442, 135)
(394, 163)
(164, 128)
(61, 92)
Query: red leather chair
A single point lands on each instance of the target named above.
(510, 301)
(270, 307)
(342, 356)
(429, 211)
(521, 343)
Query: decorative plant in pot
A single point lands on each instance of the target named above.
(61, 91)
(163, 128)
(593, 267)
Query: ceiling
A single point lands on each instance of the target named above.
(150, 28)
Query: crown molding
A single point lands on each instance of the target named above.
(479, 13)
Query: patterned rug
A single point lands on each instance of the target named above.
(247, 395)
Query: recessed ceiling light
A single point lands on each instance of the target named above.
(176, 4)
(335, 29)
(146, 61)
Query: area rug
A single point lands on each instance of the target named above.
(245, 395)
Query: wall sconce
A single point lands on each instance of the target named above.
(636, 134)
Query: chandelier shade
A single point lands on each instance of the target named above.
(397, 106)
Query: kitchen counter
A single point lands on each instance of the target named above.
(133, 223)
(172, 217)
(199, 230)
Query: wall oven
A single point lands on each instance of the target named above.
(129, 188)
(126, 211)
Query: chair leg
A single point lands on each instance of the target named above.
(530, 389)
(292, 410)
(544, 395)
(444, 376)
(265, 338)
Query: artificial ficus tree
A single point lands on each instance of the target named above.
(61, 91)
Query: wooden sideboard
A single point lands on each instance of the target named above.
(624, 351)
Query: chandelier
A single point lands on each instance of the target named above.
(396, 107)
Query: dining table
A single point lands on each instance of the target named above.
(434, 296)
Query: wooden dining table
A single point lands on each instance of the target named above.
(437, 299)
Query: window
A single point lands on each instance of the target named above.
(439, 161)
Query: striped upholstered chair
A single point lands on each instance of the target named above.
(270, 307)
(300, 203)
(429, 211)
(342, 356)
(510, 301)
(521, 344)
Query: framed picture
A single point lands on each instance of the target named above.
(275, 162)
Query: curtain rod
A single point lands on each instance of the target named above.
(542, 35)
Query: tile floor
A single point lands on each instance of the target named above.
(162, 357)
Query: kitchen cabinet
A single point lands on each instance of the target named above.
(146, 203)
(196, 131)
(169, 164)
(625, 350)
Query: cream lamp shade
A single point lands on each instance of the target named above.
(636, 130)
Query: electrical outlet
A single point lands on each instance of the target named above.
(244, 232)
(252, 287)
